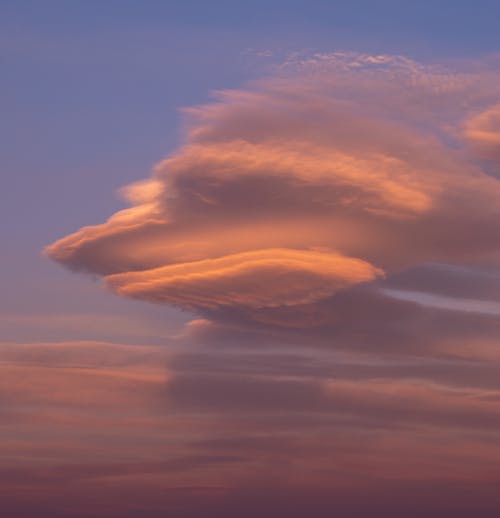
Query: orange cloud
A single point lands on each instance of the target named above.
(262, 278)
(335, 170)
(482, 130)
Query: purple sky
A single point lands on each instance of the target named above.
(278, 230)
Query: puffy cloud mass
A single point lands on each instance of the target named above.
(346, 202)
(332, 172)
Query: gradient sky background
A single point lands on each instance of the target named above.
(291, 399)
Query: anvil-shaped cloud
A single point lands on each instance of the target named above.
(334, 171)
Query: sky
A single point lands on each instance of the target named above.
(251, 260)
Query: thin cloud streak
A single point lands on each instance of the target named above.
(486, 307)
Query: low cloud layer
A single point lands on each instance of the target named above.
(103, 430)
(336, 170)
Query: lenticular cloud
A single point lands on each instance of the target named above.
(335, 171)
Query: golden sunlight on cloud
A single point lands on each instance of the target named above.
(324, 176)
(262, 278)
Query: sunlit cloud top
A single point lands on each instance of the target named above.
(331, 172)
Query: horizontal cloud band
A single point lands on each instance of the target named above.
(262, 278)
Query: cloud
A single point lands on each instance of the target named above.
(48, 381)
(335, 171)
(134, 430)
(482, 130)
(291, 210)
(375, 402)
(261, 278)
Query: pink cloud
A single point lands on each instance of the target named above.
(349, 156)
(482, 130)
